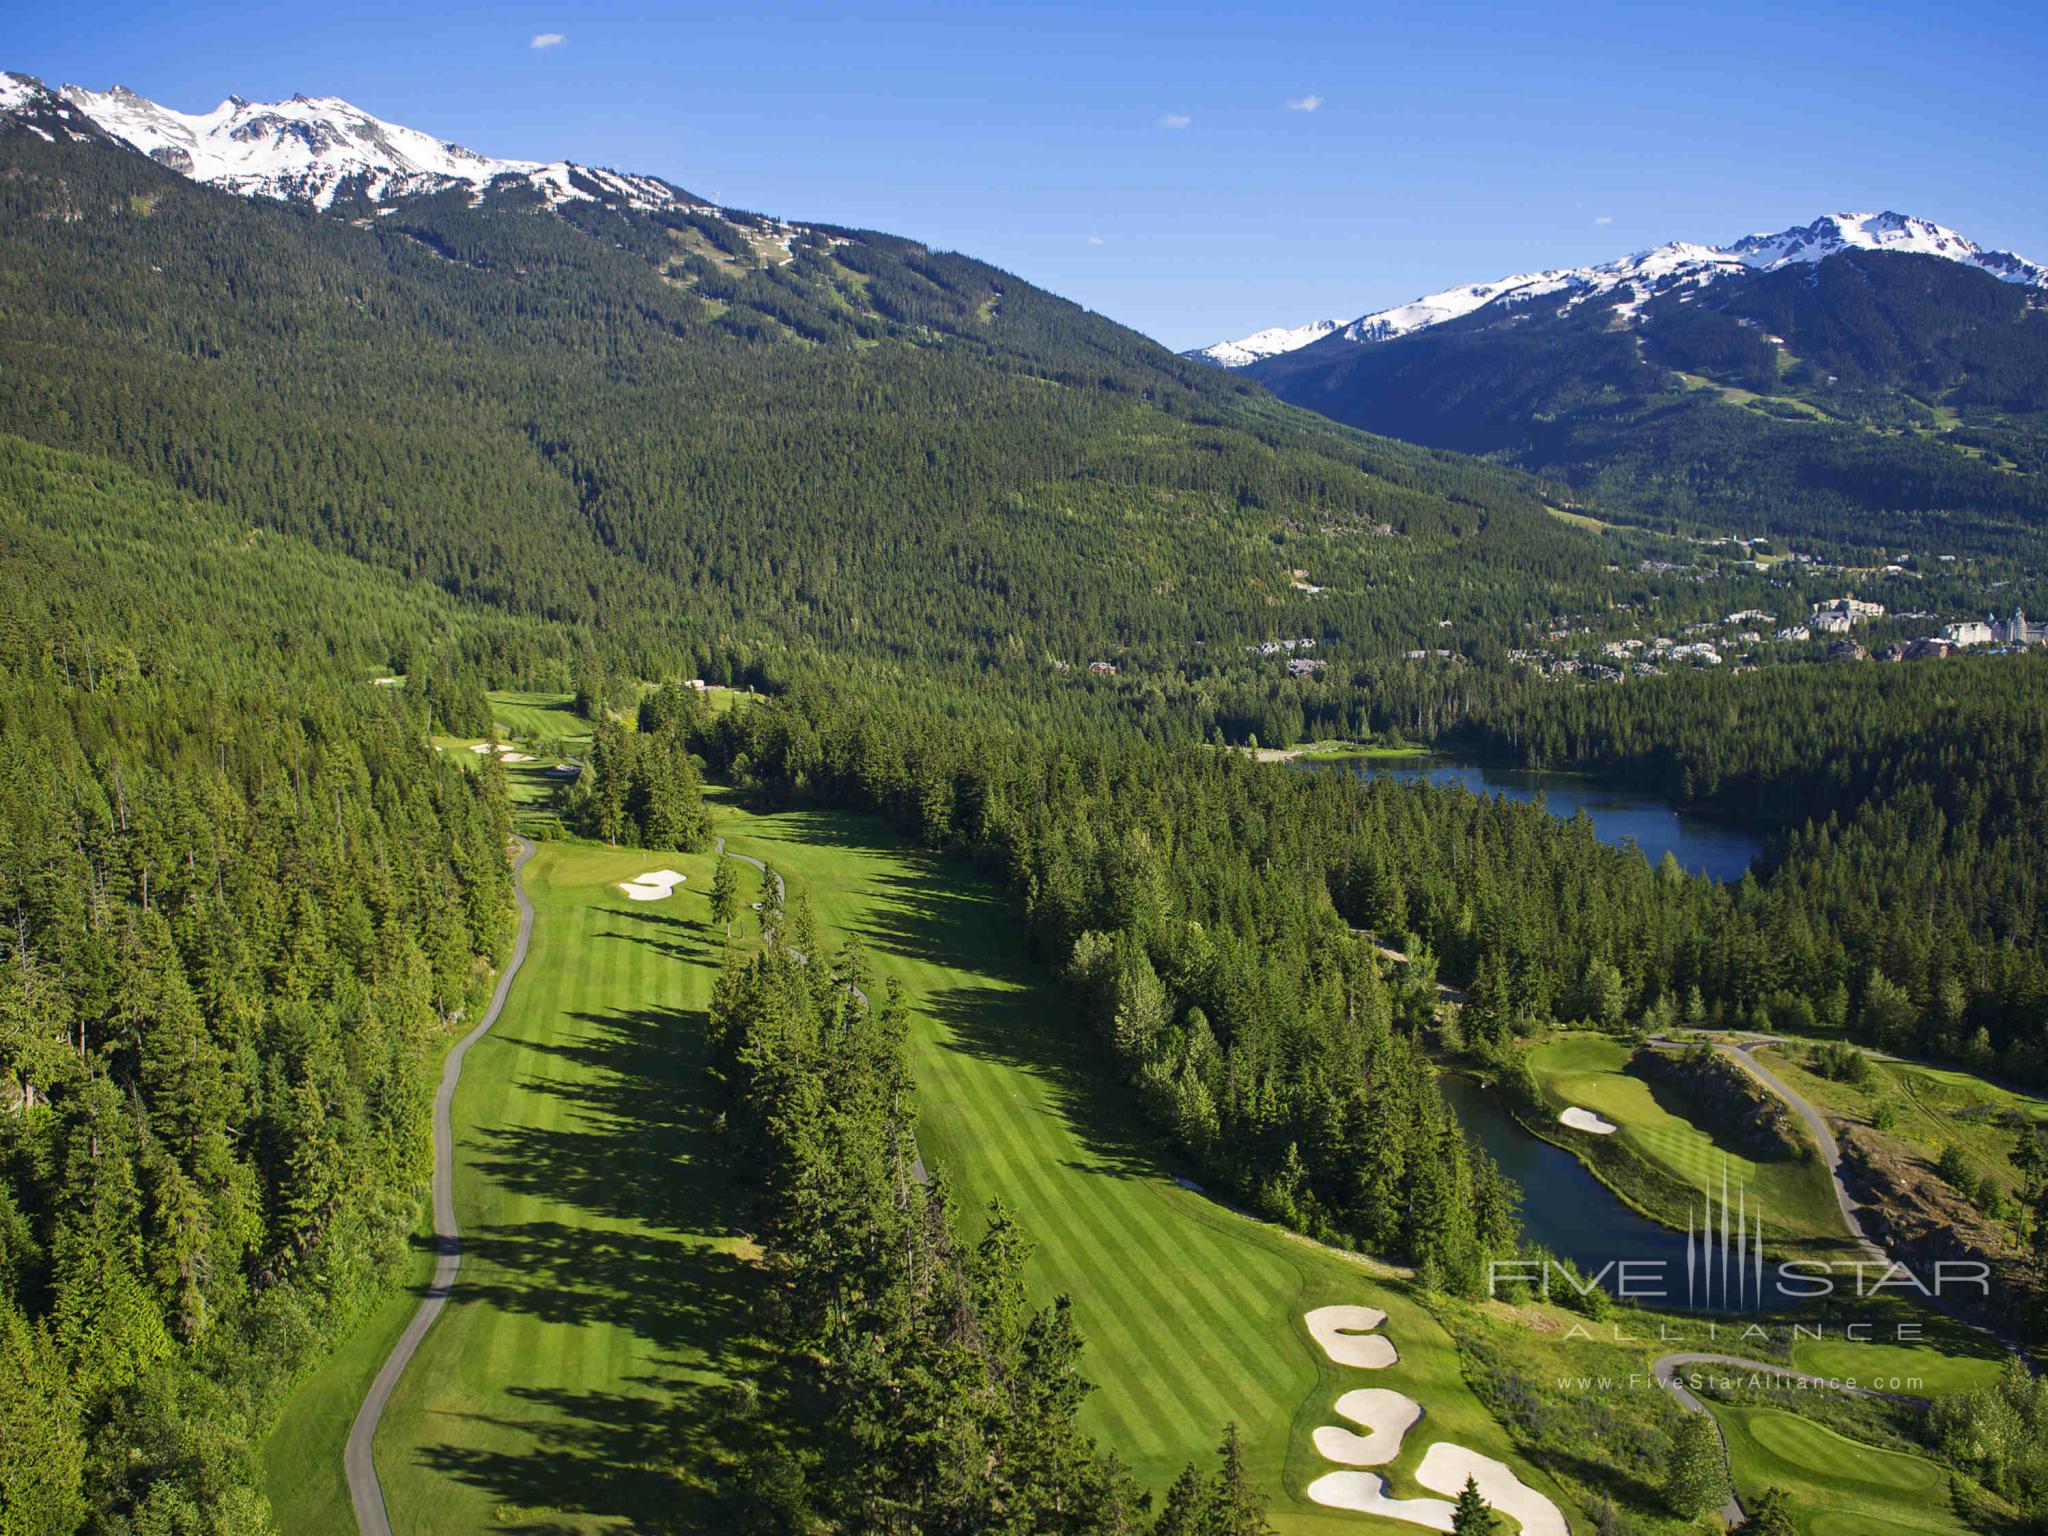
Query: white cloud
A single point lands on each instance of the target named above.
(1175, 120)
(1095, 239)
(1605, 218)
(1304, 103)
(546, 40)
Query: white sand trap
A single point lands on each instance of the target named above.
(1366, 1492)
(1585, 1120)
(517, 757)
(1387, 1416)
(653, 886)
(480, 748)
(1337, 1330)
(1446, 1466)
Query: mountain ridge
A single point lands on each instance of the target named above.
(1672, 267)
(319, 150)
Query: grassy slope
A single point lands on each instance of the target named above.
(1839, 1487)
(1192, 1313)
(1935, 1106)
(1589, 1070)
(302, 1454)
(602, 1295)
(605, 1292)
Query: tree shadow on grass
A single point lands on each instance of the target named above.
(642, 1231)
(673, 936)
(662, 1459)
(643, 1141)
(930, 909)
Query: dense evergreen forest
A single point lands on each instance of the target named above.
(962, 469)
(254, 455)
(243, 904)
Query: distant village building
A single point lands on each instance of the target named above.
(1855, 610)
(2014, 629)
(1969, 632)
(1831, 623)
(1303, 667)
(1103, 668)
(1793, 632)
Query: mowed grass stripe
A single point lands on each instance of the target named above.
(1167, 1307)
(1065, 1215)
(554, 1391)
(1187, 1326)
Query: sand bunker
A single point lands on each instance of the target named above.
(1585, 1120)
(1387, 1416)
(516, 757)
(1366, 1492)
(1337, 1330)
(652, 886)
(1446, 1466)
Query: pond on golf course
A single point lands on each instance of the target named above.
(1701, 844)
(1572, 1213)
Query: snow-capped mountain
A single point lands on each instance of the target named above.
(314, 149)
(1634, 279)
(1268, 343)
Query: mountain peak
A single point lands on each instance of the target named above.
(315, 149)
(1633, 279)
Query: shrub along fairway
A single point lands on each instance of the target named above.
(1591, 1071)
(1840, 1487)
(605, 1291)
(1192, 1314)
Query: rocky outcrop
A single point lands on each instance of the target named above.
(1920, 1220)
(1733, 1105)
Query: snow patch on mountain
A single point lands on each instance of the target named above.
(1268, 343)
(315, 149)
(1631, 281)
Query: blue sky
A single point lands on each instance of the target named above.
(1162, 164)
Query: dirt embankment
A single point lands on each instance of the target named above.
(1736, 1105)
(1918, 1217)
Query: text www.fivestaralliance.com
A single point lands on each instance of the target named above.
(1734, 1381)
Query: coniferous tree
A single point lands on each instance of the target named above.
(1471, 1515)
(1698, 1480)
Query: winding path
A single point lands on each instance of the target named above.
(1816, 1124)
(363, 1489)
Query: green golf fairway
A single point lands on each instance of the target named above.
(1590, 1071)
(606, 1297)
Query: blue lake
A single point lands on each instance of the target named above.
(1702, 845)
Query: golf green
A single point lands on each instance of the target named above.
(1591, 1071)
(1839, 1487)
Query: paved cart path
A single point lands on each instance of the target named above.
(363, 1489)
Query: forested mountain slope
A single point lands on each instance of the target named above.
(1873, 397)
(657, 420)
(244, 902)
